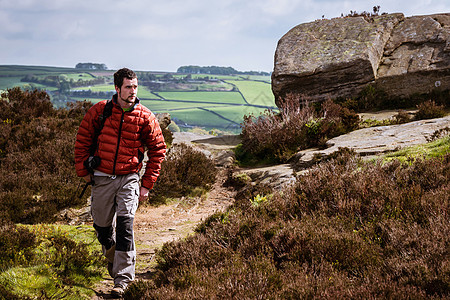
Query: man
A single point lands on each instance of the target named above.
(112, 162)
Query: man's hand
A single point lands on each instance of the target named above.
(143, 194)
(88, 178)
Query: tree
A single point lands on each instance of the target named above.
(91, 66)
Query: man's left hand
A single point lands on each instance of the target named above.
(143, 194)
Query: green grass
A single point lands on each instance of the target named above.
(40, 282)
(98, 88)
(172, 106)
(20, 70)
(226, 118)
(435, 148)
(9, 82)
(216, 97)
(220, 77)
(255, 92)
(45, 275)
(192, 117)
(236, 113)
(266, 79)
(77, 76)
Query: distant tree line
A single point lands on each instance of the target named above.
(57, 81)
(91, 66)
(146, 76)
(216, 71)
(91, 94)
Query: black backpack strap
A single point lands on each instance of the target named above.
(107, 112)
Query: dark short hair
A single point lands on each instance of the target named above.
(121, 74)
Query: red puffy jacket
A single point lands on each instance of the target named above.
(122, 142)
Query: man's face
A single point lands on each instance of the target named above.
(128, 91)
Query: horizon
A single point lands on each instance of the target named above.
(109, 69)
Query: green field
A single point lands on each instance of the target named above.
(215, 97)
(205, 100)
(255, 92)
(17, 70)
(99, 88)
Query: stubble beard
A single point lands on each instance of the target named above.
(129, 99)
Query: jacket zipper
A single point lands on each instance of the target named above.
(118, 143)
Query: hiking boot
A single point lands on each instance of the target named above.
(118, 290)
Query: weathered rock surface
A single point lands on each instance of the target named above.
(376, 140)
(339, 57)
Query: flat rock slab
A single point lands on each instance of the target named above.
(378, 140)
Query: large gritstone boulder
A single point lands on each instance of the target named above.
(340, 57)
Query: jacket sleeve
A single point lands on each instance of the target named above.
(84, 139)
(156, 151)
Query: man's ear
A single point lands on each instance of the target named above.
(117, 89)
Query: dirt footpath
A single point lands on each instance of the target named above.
(154, 226)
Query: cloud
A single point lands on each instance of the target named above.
(163, 35)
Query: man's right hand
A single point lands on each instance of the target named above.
(88, 178)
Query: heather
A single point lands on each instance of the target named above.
(274, 137)
(184, 172)
(37, 176)
(347, 229)
(48, 261)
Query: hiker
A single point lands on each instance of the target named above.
(109, 151)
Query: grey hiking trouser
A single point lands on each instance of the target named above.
(113, 206)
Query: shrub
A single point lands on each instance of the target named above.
(71, 258)
(402, 117)
(16, 245)
(440, 133)
(276, 137)
(22, 106)
(182, 172)
(37, 177)
(372, 98)
(347, 229)
(429, 110)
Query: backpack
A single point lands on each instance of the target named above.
(107, 112)
(94, 161)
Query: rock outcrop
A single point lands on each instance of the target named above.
(340, 57)
(375, 141)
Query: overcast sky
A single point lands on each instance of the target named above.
(161, 35)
